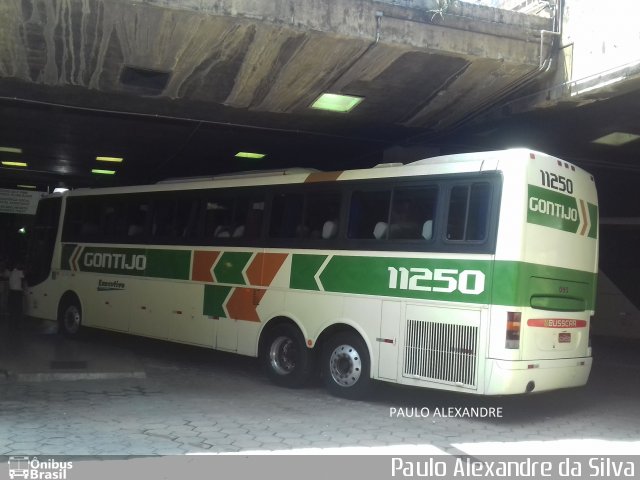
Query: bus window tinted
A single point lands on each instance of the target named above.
(478, 211)
(369, 214)
(468, 212)
(286, 216)
(412, 213)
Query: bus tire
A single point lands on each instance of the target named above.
(346, 366)
(285, 357)
(70, 318)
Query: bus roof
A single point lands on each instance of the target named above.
(445, 164)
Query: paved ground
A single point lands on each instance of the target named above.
(141, 397)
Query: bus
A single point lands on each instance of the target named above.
(472, 273)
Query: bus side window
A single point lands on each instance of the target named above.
(468, 212)
(113, 219)
(368, 209)
(137, 217)
(161, 221)
(247, 222)
(218, 218)
(286, 216)
(321, 215)
(412, 213)
(185, 218)
(478, 211)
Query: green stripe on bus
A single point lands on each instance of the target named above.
(421, 278)
(303, 269)
(214, 298)
(506, 283)
(156, 263)
(469, 281)
(515, 283)
(229, 267)
(173, 264)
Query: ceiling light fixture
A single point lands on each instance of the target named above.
(616, 139)
(336, 103)
(10, 150)
(100, 171)
(250, 155)
(26, 186)
(110, 159)
(13, 164)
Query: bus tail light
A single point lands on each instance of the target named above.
(513, 330)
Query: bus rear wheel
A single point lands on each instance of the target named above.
(285, 357)
(70, 318)
(346, 366)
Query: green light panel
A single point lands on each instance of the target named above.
(250, 155)
(336, 103)
(616, 139)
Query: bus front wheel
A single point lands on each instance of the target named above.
(346, 366)
(285, 357)
(70, 318)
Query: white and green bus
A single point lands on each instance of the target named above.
(471, 272)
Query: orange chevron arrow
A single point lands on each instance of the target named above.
(201, 266)
(243, 302)
(264, 268)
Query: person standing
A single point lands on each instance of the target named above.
(16, 295)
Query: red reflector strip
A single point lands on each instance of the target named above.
(385, 340)
(556, 323)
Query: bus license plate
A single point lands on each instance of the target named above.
(564, 338)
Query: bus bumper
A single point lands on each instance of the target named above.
(505, 377)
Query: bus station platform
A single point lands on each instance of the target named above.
(35, 352)
(113, 394)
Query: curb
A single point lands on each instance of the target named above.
(71, 376)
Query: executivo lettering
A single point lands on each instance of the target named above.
(104, 286)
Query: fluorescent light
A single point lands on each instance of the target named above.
(10, 150)
(14, 164)
(22, 230)
(110, 159)
(103, 172)
(336, 103)
(60, 190)
(616, 139)
(250, 155)
(26, 186)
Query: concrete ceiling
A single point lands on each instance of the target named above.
(177, 87)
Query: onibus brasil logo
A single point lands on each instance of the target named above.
(32, 468)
